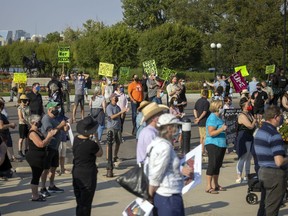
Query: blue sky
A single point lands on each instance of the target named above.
(46, 16)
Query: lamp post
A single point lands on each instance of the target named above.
(215, 47)
(283, 10)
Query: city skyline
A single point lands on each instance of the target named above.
(51, 16)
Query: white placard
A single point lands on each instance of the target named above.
(138, 207)
(71, 136)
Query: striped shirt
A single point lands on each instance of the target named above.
(268, 143)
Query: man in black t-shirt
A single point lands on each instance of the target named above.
(144, 86)
(259, 98)
(201, 113)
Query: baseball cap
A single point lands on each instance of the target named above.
(51, 104)
(168, 119)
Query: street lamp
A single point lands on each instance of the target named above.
(215, 47)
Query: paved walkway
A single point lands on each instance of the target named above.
(110, 198)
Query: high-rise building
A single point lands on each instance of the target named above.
(20, 34)
(5, 36)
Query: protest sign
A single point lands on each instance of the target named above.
(238, 82)
(243, 70)
(270, 69)
(106, 69)
(138, 207)
(193, 159)
(150, 67)
(230, 118)
(167, 73)
(19, 77)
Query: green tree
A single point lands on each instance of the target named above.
(4, 58)
(171, 45)
(53, 37)
(71, 35)
(144, 14)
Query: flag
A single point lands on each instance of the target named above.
(238, 81)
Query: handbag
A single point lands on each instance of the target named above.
(135, 180)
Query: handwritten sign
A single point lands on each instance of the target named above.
(243, 70)
(230, 117)
(270, 69)
(150, 67)
(20, 78)
(106, 69)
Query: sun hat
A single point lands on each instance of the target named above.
(142, 105)
(168, 119)
(87, 126)
(152, 109)
(23, 97)
(244, 91)
(51, 104)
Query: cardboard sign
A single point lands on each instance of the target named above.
(243, 70)
(106, 69)
(270, 69)
(150, 67)
(230, 117)
(20, 78)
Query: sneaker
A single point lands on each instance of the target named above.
(44, 192)
(245, 180)
(239, 180)
(55, 189)
(20, 154)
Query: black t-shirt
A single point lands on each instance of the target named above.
(282, 82)
(144, 85)
(260, 99)
(36, 103)
(88, 83)
(202, 105)
(84, 152)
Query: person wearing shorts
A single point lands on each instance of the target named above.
(114, 113)
(79, 81)
(49, 123)
(259, 98)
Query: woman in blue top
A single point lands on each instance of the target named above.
(215, 144)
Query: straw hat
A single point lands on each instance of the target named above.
(152, 109)
(143, 104)
(23, 97)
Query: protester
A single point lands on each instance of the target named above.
(151, 113)
(269, 92)
(201, 113)
(122, 102)
(97, 106)
(107, 90)
(5, 135)
(215, 144)
(259, 98)
(35, 100)
(139, 124)
(65, 91)
(253, 85)
(244, 140)
(84, 173)
(23, 116)
(79, 82)
(152, 86)
(165, 178)
(37, 154)
(245, 93)
(182, 100)
(53, 81)
(173, 90)
(174, 110)
(219, 86)
(5, 164)
(113, 113)
(88, 86)
(144, 86)
(227, 103)
(135, 93)
(272, 159)
(51, 163)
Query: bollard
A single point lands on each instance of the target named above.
(109, 150)
(186, 135)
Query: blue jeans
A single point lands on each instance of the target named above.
(100, 130)
(134, 107)
(169, 206)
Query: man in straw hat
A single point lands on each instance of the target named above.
(151, 114)
(85, 152)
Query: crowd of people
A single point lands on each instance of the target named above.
(43, 134)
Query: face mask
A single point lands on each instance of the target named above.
(116, 100)
(175, 103)
(250, 108)
(37, 88)
(281, 120)
(122, 90)
(108, 82)
(259, 89)
(161, 94)
(55, 112)
(136, 79)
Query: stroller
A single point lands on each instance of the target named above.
(254, 185)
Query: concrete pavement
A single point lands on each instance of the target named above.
(110, 198)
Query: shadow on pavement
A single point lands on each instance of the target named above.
(205, 207)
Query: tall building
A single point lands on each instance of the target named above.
(19, 34)
(5, 36)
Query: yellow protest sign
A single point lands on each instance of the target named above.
(243, 70)
(20, 78)
(270, 69)
(150, 66)
(106, 69)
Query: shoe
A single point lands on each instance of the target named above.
(239, 180)
(44, 192)
(41, 198)
(55, 189)
(117, 160)
(245, 180)
(219, 188)
(212, 191)
(20, 154)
